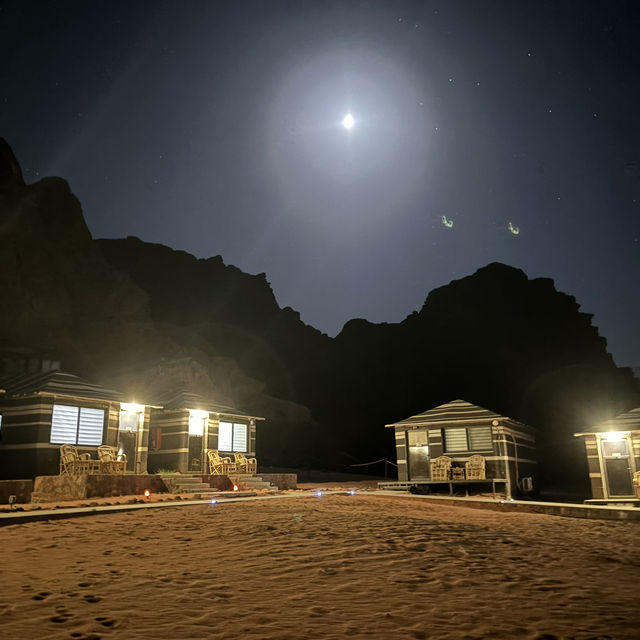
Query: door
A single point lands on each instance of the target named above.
(617, 467)
(418, 458)
(195, 453)
(127, 441)
(198, 426)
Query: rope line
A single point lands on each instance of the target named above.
(366, 464)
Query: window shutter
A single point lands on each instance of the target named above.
(90, 427)
(480, 439)
(239, 437)
(225, 430)
(455, 439)
(64, 424)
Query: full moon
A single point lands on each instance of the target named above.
(348, 121)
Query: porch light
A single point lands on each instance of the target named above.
(319, 494)
(235, 487)
(131, 407)
(147, 493)
(197, 421)
(614, 436)
(214, 501)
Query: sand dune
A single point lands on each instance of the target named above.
(333, 567)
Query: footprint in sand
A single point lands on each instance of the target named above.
(92, 599)
(43, 595)
(62, 615)
(106, 622)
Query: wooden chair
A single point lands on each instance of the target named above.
(475, 468)
(73, 463)
(219, 466)
(441, 468)
(244, 464)
(110, 461)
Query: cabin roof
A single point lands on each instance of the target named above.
(184, 400)
(627, 421)
(456, 411)
(57, 383)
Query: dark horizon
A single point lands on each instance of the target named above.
(484, 132)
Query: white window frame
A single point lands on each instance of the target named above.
(238, 437)
(467, 448)
(85, 432)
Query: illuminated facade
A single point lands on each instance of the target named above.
(42, 411)
(613, 457)
(187, 425)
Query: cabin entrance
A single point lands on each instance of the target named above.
(418, 454)
(198, 423)
(127, 441)
(617, 467)
(129, 430)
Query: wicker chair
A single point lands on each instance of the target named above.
(636, 483)
(441, 468)
(475, 467)
(244, 464)
(110, 461)
(219, 466)
(73, 463)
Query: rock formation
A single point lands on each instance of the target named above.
(145, 318)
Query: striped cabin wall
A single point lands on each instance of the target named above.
(510, 453)
(174, 446)
(593, 464)
(513, 452)
(142, 452)
(401, 454)
(25, 447)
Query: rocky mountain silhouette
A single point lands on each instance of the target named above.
(147, 319)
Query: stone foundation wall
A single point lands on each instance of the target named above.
(218, 482)
(281, 480)
(21, 489)
(66, 487)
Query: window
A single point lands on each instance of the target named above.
(76, 425)
(232, 436)
(467, 439)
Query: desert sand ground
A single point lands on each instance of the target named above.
(338, 566)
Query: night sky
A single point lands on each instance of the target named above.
(484, 131)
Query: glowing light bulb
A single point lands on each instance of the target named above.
(147, 493)
(348, 121)
(235, 487)
(214, 501)
(319, 494)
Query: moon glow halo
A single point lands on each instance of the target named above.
(348, 122)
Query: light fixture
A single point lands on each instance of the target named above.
(614, 436)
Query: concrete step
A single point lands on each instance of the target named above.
(192, 488)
